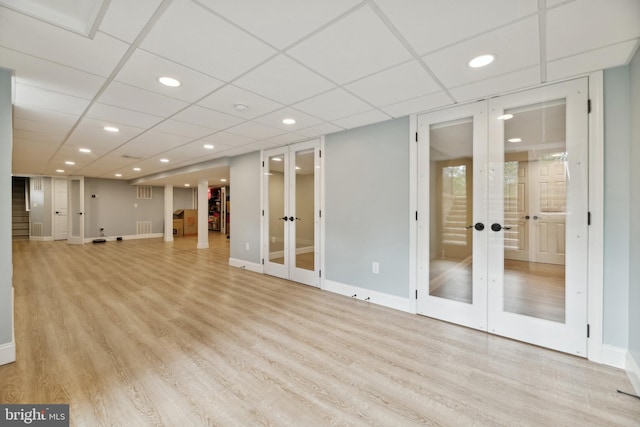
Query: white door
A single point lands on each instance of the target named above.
(525, 213)
(75, 196)
(291, 200)
(60, 208)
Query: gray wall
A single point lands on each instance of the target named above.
(183, 198)
(245, 207)
(617, 188)
(117, 209)
(367, 207)
(6, 138)
(41, 206)
(634, 196)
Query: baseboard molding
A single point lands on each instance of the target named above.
(633, 372)
(386, 300)
(128, 237)
(614, 356)
(41, 238)
(246, 265)
(7, 353)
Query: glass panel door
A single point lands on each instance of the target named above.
(276, 212)
(538, 238)
(75, 199)
(452, 239)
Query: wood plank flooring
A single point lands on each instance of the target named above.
(148, 333)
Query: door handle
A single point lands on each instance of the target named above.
(526, 217)
(497, 227)
(535, 217)
(286, 218)
(79, 213)
(57, 212)
(478, 226)
(291, 218)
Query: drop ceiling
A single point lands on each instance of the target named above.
(329, 64)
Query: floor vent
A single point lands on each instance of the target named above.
(37, 229)
(143, 227)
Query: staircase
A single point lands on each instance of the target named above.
(454, 231)
(20, 214)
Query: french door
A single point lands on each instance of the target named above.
(504, 182)
(75, 211)
(291, 220)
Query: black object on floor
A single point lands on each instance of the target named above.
(99, 241)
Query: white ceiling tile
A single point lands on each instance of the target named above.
(115, 115)
(184, 129)
(44, 74)
(125, 18)
(193, 151)
(254, 130)
(284, 139)
(42, 120)
(28, 35)
(333, 105)
(185, 28)
(598, 59)
(515, 46)
(284, 80)
(90, 133)
(23, 154)
(431, 25)
(226, 139)
(554, 3)
(589, 24)
(110, 164)
(225, 99)
(143, 69)
(319, 130)
(30, 96)
(52, 137)
(275, 120)
(131, 98)
(419, 104)
(54, 130)
(281, 22)
(497, 85)
(200, 116)
(152, 143)
(362, 119)
(396, 84)
(357, 45)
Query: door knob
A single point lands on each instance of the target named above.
(535, 217)
(526, 217)
(291, 218)
(497, 227)
(286, 218)
(478, 226)
(57, 212)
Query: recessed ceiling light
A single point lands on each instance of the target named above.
(69, 162)
(60, 170)
(164, 160)
(297, 168)
(84, 150)
(118, 175)
(481, 61)
(111, 129)
(137, 169)
(515, 140)
(208, 146)
(241, 107)
(169, 81)
(187, 185)
(277, 159)
(223, 180)
(505, 117)
(289, 121)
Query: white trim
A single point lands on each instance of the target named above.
(41, 239)
(386, 300)
(8, 350)
(614, 356)
(633, 372)
(595, 273)
(321, 283)
(413, 210)
(246, 265)
(128, 237)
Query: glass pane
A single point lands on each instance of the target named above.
(451, 204)
(535, 199)
(276, 209)
(304, 223)
(75, 208)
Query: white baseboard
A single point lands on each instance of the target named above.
(7, 353)
(246, 265)
(128, 237)
(41, 239)
(386, 300)
(633, 372)
(614, 356)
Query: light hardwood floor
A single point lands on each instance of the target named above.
(143, 332)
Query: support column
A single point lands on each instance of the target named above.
(168, 213)
(203, 214)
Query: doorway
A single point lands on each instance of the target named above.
(291, 214)
(504, 245)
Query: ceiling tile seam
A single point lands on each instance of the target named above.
(496, 76)
(633, 52)
(37, 18)
(636, 39)
(542, 39)
(52, 91)
(98, 20)
(394, 30)
(125, 57)
(560, 4)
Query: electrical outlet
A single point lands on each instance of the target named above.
(246, 246)
(375, 268)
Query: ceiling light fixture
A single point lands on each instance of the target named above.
(241, 107)
(169, 81)
(69, 162)
(164, 160)
(187, 185)
(223, 180)
(60, 170)
(111, 129)
(505, 117)
(277, 159)
(118, 175)
(289, 121)
(208, 146)
(515, 140)
(137, 169)
(481, 61)
(84, 150)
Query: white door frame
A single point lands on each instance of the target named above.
(75, 198)
(63, 212)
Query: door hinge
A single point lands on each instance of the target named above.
(416, 136)
(588, 106)
(262, 261)
(320, 153)
(319, 273)
(320, 214)
(262, 212)
(416, 215)
(588, 218)
(263, 163)
(416, 294)
(588, 330)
